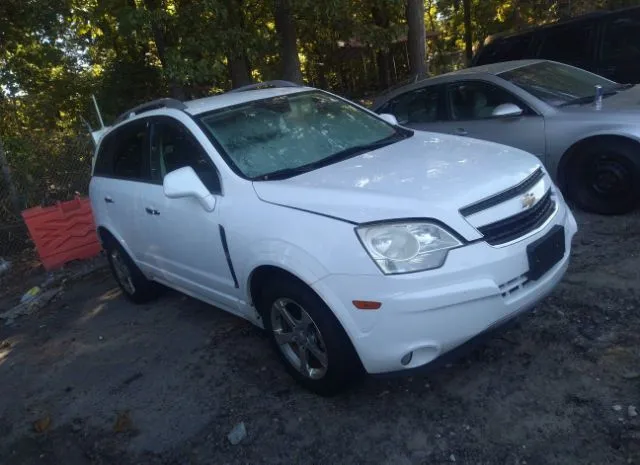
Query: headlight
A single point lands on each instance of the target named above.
(406, 247)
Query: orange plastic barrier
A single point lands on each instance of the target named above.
(63, 232)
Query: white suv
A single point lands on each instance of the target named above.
(358, 245)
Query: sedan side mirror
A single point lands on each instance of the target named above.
(389, 118)
(184, 182)
(506, 110)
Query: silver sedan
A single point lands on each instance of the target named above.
(590, 144)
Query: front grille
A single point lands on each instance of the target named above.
(518, 225)
(496, 199)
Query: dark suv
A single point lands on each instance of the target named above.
(605, 43)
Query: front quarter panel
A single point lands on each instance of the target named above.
(307, 245)
(564, 131)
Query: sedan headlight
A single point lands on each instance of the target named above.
(406, 247)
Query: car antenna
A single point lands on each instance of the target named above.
(97, 134)
(95, 104)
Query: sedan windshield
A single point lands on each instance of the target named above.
(559, 84)
(287, 135)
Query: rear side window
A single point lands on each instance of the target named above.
(104, 159)
(568, 44)
(621, 42)
(512, 48)
(418, 106)
(122, 153)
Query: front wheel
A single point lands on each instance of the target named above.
(308, 338)
(604, 178)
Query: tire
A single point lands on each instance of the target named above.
(136, 287)
(604, 177)
(321, 336)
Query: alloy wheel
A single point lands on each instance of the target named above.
(122, 271)
(298, 338)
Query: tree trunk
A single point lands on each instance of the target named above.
(288, 42)
(416, 39)
(383, 56)
(468, 41)
(239, 66)
(564, 9)
(240, 71)
(16, 201)
(159, 37)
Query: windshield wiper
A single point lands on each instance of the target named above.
(339, 156)
(588, 98)
(286, 172)
(363, 148)
(624, 86)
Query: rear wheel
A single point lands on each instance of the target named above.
(135, 286)
(308, 338)
(604, 177)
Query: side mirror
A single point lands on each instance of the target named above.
(389, 118)
(184, 182)
(505, 110)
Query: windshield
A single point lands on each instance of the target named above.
(295, 133)
(558, 84)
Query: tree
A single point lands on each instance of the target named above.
(468, 37)
(416, 38)
(288, 41)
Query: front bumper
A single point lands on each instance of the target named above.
(430, 313)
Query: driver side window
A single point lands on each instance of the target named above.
(173, 147)
(478, 100)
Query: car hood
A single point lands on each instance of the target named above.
(428, 175)
(624, 101)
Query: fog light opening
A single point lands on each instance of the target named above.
(406, 359)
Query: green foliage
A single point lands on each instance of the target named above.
(55, 53)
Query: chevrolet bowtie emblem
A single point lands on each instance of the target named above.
(528, 200)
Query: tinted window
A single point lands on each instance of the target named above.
(621, 40)
(477, 100)
(121, 153)
(512, 48)
(418, 106)
(130, 145)
(174, 147)
(104, 159)
(568, 44)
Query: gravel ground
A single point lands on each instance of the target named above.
(91, 379)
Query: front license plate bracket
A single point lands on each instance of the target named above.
(546, 252)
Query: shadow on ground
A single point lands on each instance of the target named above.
(107, 382)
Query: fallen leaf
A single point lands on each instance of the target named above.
(123, 422)
(42, 425)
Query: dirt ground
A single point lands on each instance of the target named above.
(91, 379)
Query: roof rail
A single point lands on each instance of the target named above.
(153, 105)
(265, 85)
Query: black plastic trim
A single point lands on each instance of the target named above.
(504, 195)
(520, 224)
(153, 105)
(223, 239)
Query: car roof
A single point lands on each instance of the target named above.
(215, 102)
(476, 71)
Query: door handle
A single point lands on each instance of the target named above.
(461, 132)
(108, 199)
(151, 211)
